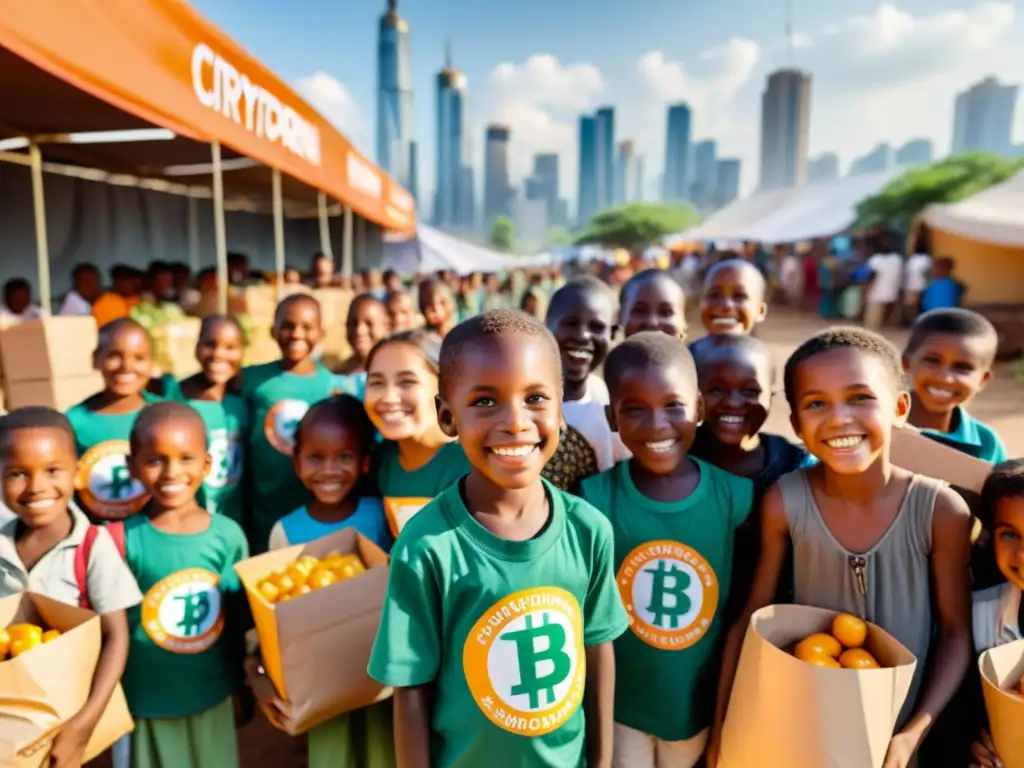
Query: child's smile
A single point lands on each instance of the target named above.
(732, 301)
(736, 395)
(1008, 537)
(946, 371)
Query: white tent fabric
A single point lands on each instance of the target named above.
(432, 250)
(995, 215)
(814, 210)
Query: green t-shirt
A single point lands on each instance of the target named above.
(674, 567)
(227, 425)
(277, 402)
(104, 488)
(500, 627)
(186, 637)
(405, 493)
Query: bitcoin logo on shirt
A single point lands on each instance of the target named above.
(524, 661)
(282, 420)
(182, 612)
(670, 593)
(105, 484)
(225, 458)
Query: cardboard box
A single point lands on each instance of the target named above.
(43, 688)
(316, 647)
(1001, 670)
(50, 348)
(930, 456)
(786, 713)
(333, 305)
(60, 393)
(174, 347)
(262, 347)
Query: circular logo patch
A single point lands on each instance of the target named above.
(104, 483)
(670, 593)
(225, 459)
(182, 612)
(524, 661)
(282, 420)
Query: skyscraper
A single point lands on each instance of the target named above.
(498, 193)
(824, 167)
(544, 185)
(983, 118)
(727, 185)
(676, 180)
(604, 120)
(785, 127)
(454, 195)
(879, 159)
(587, 193)
(628, 174)
(915, 152)
(705, 174)
(396, 151)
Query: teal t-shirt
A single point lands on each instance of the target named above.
(227, 424)
(674, 566)
(186, 637)
(500, 628)
(277, 401)
(104, 488)
(406, 492)
(970, 436)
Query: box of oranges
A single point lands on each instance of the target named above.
(1002, 682)
(48, 654)
(316, 608)
(814, 687)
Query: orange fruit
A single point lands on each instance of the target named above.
(821, 660)
(269, 591)
(849, 630)
(5, 644)
(858, 658)
(818, 644)
(18, 632)
(25, 644)
(285, 584)
(1020, 685)
(298, 575)
(348, 566)
(321, 577)
(50, 634)
(303, 590)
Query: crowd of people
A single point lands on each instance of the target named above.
(522, 448)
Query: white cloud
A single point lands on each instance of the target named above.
(333, 101)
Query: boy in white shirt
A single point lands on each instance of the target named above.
(884, 289)
(915, 280)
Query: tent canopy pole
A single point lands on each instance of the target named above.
(278, 228)
(325, 226)
(346, 246)
(39, 211)
(219, 233)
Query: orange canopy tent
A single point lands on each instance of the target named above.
(72, 66)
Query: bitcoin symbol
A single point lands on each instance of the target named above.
(668, 582)
(194, 610)
(120, 480)
(530, 657)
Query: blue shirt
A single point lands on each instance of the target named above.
(368, 520)
(351, 384)
(942, 294)
(970, 436)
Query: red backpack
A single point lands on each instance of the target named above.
(84, 552)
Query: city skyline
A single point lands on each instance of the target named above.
(886, 75)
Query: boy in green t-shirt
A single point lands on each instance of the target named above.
(674, 519)
(501, 608)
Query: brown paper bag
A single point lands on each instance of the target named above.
(1001, 669)
(43, 688)
(919, 453)
(786, 713)
(316, 647)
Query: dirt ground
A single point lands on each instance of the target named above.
(999, 406)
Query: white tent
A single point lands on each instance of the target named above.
(995, 215)
(432, 250)
(735, 217)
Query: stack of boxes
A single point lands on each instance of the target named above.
(334, 315)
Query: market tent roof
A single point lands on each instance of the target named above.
(432, 250)
(71, 66)
(819, 209)
(994, 216)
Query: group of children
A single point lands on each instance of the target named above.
(591, 619)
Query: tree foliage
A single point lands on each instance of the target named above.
(559, 236)
(637, 225)
(503, 233)
(945, 181)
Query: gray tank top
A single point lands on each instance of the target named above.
(888, 585)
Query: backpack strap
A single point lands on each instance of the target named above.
(116, 531)
(83, 556)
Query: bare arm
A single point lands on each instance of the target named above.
(412, 727)
(774, 540)
(600, 704)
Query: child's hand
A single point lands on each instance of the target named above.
(901, 750)
(69, 746)
(272, 707)
(983, 752)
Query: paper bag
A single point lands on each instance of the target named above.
(316, 647)
(786, 713)
(43, 688)
(932, 457)
(1001, 669)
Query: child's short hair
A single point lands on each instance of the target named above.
(115, 328)
(956, 322)
(432, 284)
(648, 349)
(742, 265)
(650, 276)
(428, 344)
(1006, 481)
(16, 284)
(293, 300)
(165, 410)
(213, 320)
(394, 296)
(702, 348)
(480, 328)
(365, 298)
(343, 410)
(582, 285)
(844, 338)
(33, 417)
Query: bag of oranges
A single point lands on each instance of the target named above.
(1002, 682)
(814, 687)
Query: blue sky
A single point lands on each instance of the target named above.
(882, 72)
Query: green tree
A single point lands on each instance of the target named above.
(637, 224)
(946, 181)
(503, 233)
(559, 236)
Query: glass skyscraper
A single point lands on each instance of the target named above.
(396, 151)
(453, 206)
(676, 181)
(587, 194)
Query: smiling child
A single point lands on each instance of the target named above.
(367, 323)
(733, 297)
(653, 301)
